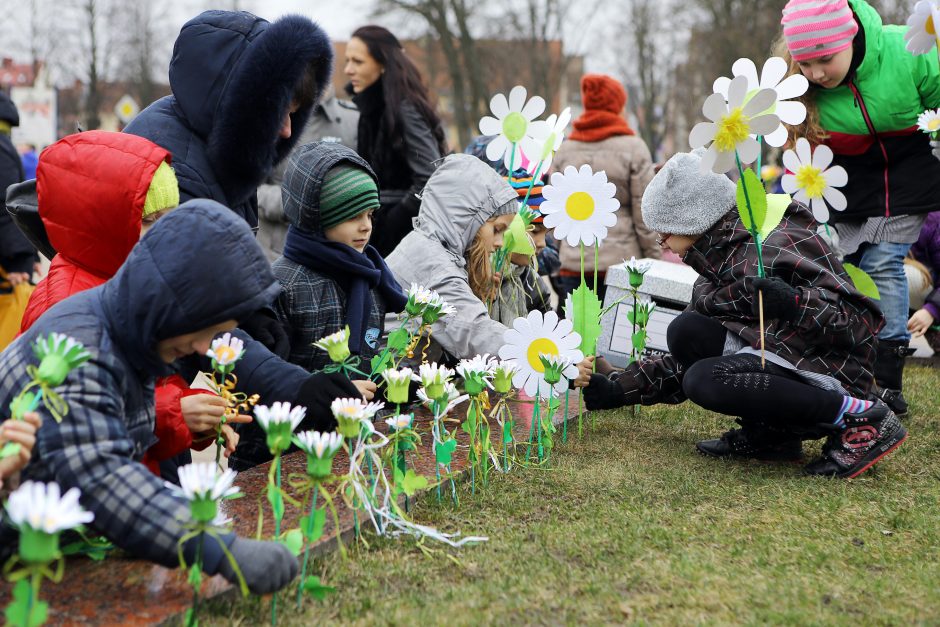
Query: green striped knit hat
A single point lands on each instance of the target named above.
(347, 191)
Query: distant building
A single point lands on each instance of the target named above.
(35, 99)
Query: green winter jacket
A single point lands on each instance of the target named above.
(872, 122)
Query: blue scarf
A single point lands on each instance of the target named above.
(356, 273)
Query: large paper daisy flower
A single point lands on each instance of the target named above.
(512, 126)
(536, 335)
(921, 34)
(548, 134)
(733, 126)
(580, 205)
(772, 76)
(811, 183)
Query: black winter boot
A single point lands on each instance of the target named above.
(889, 371)
(755, 441)
(867, 437)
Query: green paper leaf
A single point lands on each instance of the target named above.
(413, 482)
(312, 534)
(276, 499)
(862, 282)
(293, 540)
(18, 612)
(586, 316)
(639, 340)
(195, 576)
(445, 451)
(312, 587)
(758, 198)
(507, 434)
(398, 340)
(776, 206)
(189, 620)
(515, 239)
(380, 363)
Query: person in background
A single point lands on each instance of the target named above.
(30, 159)
(17, 255)
(926, 250)
(400, 135)
(603, 139)
(332, 121)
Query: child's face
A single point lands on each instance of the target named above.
(491, 233)
(679, 244)
(828, 71)
(172, 348)
(354, 232)
(147, 222)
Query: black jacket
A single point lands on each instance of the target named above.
(16, 253)
(403, 163)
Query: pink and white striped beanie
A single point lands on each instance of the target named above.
(816, 28)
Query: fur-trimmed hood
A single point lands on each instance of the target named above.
(233, 76)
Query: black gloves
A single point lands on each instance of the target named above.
(266, 566)
(781, 301)
(263, 326)
(603, 393)
(316, 394)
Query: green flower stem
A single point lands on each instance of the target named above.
(277, 528)
(538, 170)
(754, 232)
(435, 440)
(192, 616)
(303, 570)
(564, 427)
(580, 397)
(538, 426)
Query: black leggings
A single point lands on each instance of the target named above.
(737, 385)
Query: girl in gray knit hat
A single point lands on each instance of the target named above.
(819, 334)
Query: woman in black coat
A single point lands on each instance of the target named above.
(400, 135)
(17, 255)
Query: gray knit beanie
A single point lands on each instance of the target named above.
(685, 200)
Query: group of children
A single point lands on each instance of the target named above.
(145, 284)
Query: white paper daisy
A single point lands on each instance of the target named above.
(512, 127)
(921, 35)
(772, 76)
(733, 126)
(812, 181)
(536, 335)
(42, 507)
(548, 134)
(929, 121)
(580, 205)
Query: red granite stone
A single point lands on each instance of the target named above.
(126, 591)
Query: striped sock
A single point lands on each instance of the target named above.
(851, 405)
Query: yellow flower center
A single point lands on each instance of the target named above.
(544, 346)
(579, 206)
(811, 180)
(514, 126)
(732, 130)
(224, 354)
(930, 26)
(933, 124)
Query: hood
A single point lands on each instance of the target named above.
(8, 112)
(870, 22)
(303, 180)
(23, 206)
(198, 266)
(233, 76)
(91, 190)
(460, 196)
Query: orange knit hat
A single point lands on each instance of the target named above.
(599, 91)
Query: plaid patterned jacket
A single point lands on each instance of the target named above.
(833, 334)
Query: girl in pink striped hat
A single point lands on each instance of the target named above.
(866, 93)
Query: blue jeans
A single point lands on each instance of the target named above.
(884, 262)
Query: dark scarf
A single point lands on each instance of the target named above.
(372, 143)
(357, 274)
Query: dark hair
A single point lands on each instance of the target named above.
(305, 91)
(401, 81)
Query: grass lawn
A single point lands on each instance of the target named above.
(630, 523)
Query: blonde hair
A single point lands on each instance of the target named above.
(811, 128)
(480, 270)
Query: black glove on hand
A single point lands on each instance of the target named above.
(266, 566)
(316, 394)
(781, 301)
(603, 393)
(264, 327)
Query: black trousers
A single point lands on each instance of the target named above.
(737, 385)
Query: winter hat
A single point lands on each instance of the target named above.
(347, 191)
(683, 200)
(164, 191)
(520, 183)
(816, 28)
(599, 91)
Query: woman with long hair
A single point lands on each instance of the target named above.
(400, 135)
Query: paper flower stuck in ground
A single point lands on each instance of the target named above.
(399, 422)
(637, 270)
(733, 125)
(580, 205)
(396, 384)
(772, 76)
(477, 374)
(320, 449)
(553, 366)
(537, 335)
(922, 35)
(350, 413)
(279, 421)
(812, 181)
(512, 127)
(503, 372)
(433, 377)
(204, 487)
(446, 402)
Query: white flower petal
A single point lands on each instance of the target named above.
(778, 138)
(499, 106)
(775, 68)
(760, 102)
(788, 182)
(790, 161)
(820, 210)
(748, 150)
(801, 196)
(720, 86)
(490, 125)
(746, 68)
(724, 161)
(803, 151)
(737, 92)
(533, 108)
(822, 157)
(791, 112)
(835, 198)
(714, 107)
(702, 133)
(764, 124)
(708, 159)
(496, 148)
(792, 87)
(836, 176)
(517, 98)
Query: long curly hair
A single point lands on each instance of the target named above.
(811, 128)
(480, 269)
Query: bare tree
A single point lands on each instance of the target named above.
(145, 37)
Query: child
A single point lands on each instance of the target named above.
(22, 432)
(819, 334)
(927, 251)
(866, 92)
(98, 193)
(134, 326)
(465, 208)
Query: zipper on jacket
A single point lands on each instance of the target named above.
(859, 101)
